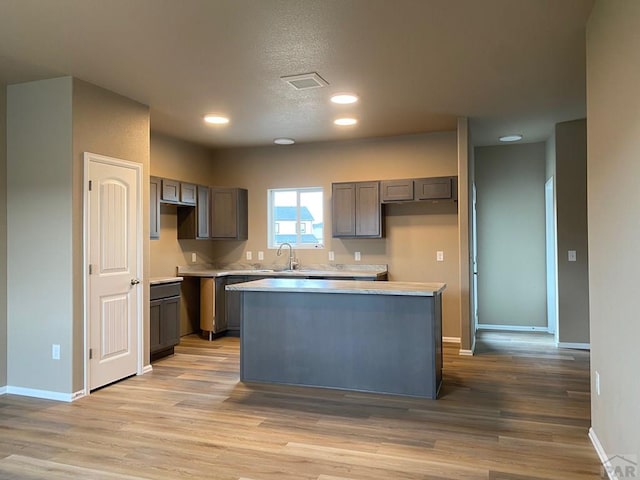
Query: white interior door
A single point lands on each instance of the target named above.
(114, 255)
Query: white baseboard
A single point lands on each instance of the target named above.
(147, 369)
(79, 394)
(3, 390)
(575, 346)
(44, 394)
(602, 455)
(512, 328)
(469, 353)
(451, 339)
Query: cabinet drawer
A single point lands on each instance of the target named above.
(164, 290)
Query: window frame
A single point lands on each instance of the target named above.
(273, 229)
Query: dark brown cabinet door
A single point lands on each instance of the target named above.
(155, 342)
(154, 207)
(164, 320)
(356, 209)
(343, 201)
(396, 190)
(187, 193)
(368, 210)
(193, 222)
(170, 191)
(229, 213)
(170, 322)
(233, 306)
(203, 206)
(437, 188)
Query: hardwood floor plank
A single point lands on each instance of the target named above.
(516, 411)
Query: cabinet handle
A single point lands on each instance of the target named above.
(135, 281)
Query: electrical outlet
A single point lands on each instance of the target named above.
(597, 383)
(260, 255)
(194, 257)
(332, 256)
(572, 256)
(356, 256)
(55, 351)
(249, 255)
(439, 256)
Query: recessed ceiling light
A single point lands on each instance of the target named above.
(216, 119)
(344, 122)
(284, 141)
(344, 98)
(510, 138)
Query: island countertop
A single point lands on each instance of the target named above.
(416, 289)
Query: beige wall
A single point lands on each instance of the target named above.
(414, 232)
(613, 147)
(51, 123)
(173, 158)
(511, 235)
(39, 227)
(465, 197)
(3, 236)
(571, 229)
(107, 124)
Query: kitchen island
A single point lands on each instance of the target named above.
(382, 337)
(219, 313)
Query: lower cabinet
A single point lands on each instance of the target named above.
(164, 322)
(231, 305)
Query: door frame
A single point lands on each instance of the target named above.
(551, 249)
(88, 159)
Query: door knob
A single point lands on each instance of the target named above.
(135, 281)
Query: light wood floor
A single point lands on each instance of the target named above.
(515, 411)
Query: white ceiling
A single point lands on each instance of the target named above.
(511, 66)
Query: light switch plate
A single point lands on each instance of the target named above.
(572, 256)
(357, 256)
(193, 257)
(440, 256)
(260, 255)
(55, 351)
(332, 256)
(249, 255)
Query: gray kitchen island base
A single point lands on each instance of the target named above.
(373, 342)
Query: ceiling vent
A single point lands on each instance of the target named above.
(305, 81)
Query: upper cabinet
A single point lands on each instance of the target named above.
(154, 207)
(203, 212)
(220, 213)
(170, 191)
(187, 193)
(436, 188)
(180, 193)
(357, 212)
(420, 189)
(194, 223)
(229, 213)
(396, 190)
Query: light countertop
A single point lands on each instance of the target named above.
(324, 270)
(161, 280)
(340, 286)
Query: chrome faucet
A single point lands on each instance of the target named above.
(292, 261)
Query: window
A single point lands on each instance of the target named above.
(295, 217)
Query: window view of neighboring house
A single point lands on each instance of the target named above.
(286, 220)
(295, 217)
